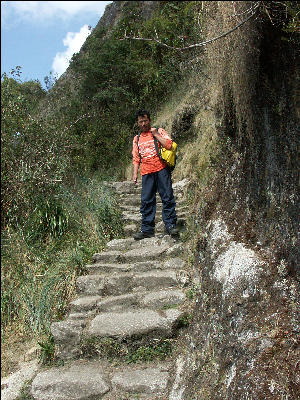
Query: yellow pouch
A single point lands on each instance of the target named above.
(169, 156)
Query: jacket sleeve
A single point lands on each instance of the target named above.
(135, 152)
(164, 134)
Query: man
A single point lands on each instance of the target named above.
(156, 176)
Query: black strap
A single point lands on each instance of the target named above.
(155, 144)
(157, 149)
(137, 142)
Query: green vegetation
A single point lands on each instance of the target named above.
(25, 392)
(193, 292)
(47, 351)
(159, 351)
(103, 347)
(53, 217)
(117, 77)
(131, 353)
(185, 320)
(41, 258)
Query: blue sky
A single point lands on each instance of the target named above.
(41, 36)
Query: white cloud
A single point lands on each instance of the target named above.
(44, 11)
(73, 41)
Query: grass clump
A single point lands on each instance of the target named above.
(42, 258)
(25, 392)
(115, 350)
(158, 351)
(103, 347)
(185, 320)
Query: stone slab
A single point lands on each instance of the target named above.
(86, 303)
(12, 384)
(91, 285)
(145, 253)
(79, 381)
(120, 244)
(67, 335)
(163, 298)
(129, 267)
(148, 380)
(174, 263)
(112, 256)
(131, 323)
(155, 279)
(116, 303)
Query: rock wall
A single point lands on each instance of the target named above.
(244, 339)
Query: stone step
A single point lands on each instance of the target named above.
(151, 383)
(134, 200)
(129, 243)
(158, 299)
(138, 327)
(120, 244)
(141, 266)
(132, 324)
(131, 200)
(82, 380)
(125, 187)
(118, 284)
(132, 296)
(67, 336)
(129, 186)
(130, 229)
(160, 226)
(99, 268)
(135, 217)
(131, 217)
(152, 251)
(136, 209)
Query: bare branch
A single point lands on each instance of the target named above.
(253, 7)
(268, 14)
(192, 46)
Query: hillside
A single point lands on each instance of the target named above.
(232, 105)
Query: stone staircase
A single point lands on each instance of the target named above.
(130, 304)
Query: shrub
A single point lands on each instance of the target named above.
(42, 258)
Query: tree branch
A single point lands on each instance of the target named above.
(192, 46)
(252, 8)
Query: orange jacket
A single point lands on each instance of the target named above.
(150, 160)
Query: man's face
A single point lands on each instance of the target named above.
(144, 123)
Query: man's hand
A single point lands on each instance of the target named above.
(158, 136)
(134, 178)
(154, 131)
(135, 173)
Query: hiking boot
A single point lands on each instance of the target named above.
(142, 235)
(172, 231)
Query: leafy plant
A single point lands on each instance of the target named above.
(25, 391)
(185, 320)
(47, 351)
(34, 158)
(158, 351)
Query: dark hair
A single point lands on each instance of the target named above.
(141, 113)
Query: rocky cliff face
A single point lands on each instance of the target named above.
(243, 343)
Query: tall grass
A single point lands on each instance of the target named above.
(42, 258)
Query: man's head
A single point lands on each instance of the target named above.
(143, 120)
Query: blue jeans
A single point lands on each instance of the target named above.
(151, 183)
